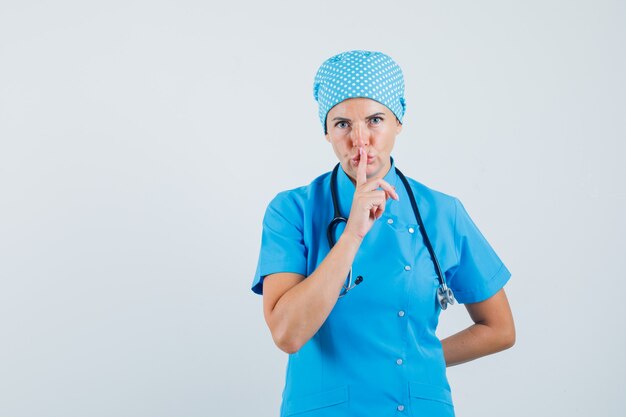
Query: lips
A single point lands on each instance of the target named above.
(357, 159)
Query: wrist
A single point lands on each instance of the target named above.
(351, 239)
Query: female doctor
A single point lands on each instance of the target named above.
(356, 303)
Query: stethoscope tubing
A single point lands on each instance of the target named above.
(444, 294)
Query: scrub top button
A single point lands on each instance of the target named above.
(407, 268)
(400, 407)
(411, 230)
(389, 221)
(399, 361)
(401, 313)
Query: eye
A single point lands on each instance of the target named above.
(376, 120)
(341, 125)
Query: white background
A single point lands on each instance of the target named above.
(140, 142)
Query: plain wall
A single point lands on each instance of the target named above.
(140, 142)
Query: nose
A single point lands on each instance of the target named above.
(360, 135)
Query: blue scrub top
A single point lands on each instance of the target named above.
(377, 353)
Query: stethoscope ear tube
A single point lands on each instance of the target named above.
(337, 217)
(330, 231)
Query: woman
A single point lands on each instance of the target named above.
(366, 345)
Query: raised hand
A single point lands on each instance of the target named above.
(368, 204)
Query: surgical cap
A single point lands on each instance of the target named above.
(353, 74)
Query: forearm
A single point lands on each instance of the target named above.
(302, 310)
(476, 341)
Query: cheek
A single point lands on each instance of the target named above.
(339, 143)
(338, 148)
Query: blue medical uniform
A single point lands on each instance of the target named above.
(377, 353)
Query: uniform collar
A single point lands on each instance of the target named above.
(346, 188)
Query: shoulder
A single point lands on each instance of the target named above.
(434, 200)
(295, 201)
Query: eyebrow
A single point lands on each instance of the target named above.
(368, 117)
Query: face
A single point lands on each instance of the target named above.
(362, 122)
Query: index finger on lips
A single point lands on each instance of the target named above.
(361, 170)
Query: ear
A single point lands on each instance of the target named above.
(327, 136)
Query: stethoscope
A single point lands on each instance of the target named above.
(444, 294)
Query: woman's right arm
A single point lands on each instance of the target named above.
(295, 308)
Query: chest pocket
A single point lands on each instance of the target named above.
(419, 271)
(396, 267)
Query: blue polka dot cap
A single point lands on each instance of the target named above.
(352, 74)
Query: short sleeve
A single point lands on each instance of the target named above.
(480, 273)
(282, 241)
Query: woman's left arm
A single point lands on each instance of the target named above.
(493, 330)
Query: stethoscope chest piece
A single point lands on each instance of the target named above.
(444, 296)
